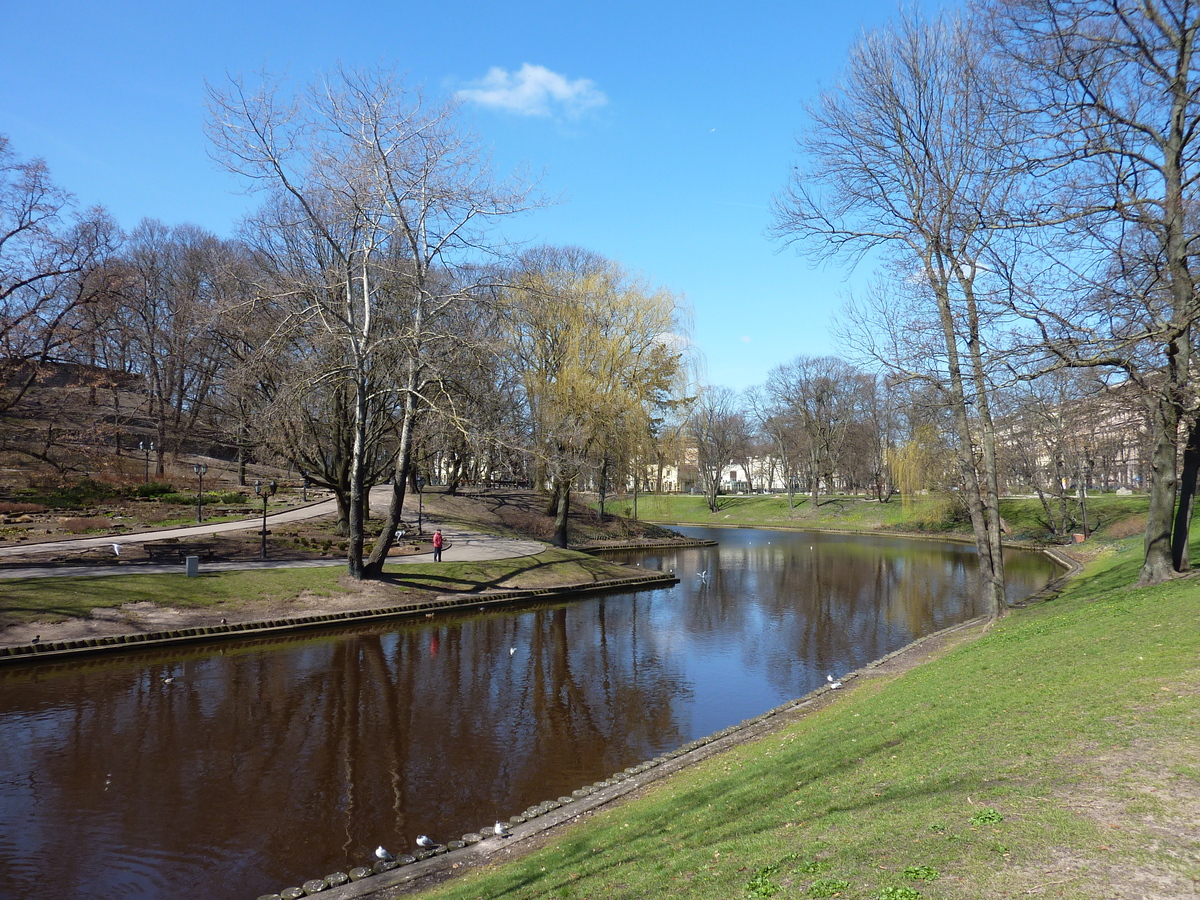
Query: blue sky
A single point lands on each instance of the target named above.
(664, 128)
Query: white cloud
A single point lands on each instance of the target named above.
(534, 91)
(746, 339)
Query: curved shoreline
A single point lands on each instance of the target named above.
(69, 649)
(530, 829)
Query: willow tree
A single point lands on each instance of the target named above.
(592, 345)
(912, 157)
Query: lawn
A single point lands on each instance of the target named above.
(927, 513)
(63, 597)
(1055, 756)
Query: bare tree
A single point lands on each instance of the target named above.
(818, 393)
(1115, 98)
(400, 199)
(911, 155)
(718, 432)
(46, 255)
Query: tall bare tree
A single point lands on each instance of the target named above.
(46, 255)
(718, 431)
(1115, 99)
(400, 198)
(911, 155)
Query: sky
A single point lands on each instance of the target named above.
(662, 130)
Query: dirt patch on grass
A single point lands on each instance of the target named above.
(1145, 800)
(146, 617)
(1126, 527)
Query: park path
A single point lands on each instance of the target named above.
(460, 545)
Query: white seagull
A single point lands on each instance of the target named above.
(512, 650)
(382, 854)
(117, 549)
(502, 830)
(425, 842)
(833, 684)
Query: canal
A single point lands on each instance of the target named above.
(240, 768)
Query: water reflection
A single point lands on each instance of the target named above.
(263, 764)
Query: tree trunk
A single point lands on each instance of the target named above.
(1158, 564)
(603, 486)
(1180, 557)
(562, 490)
(395, 514)
(357, 477)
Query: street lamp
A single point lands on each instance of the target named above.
(200, 469)
(266, 491)
(304, 487)
(420, 502)
(142, 446)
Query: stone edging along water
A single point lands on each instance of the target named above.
(59, 650)
(411, 872)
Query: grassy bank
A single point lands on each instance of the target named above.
(1025, 516)
(64, 597)
(1056, 756)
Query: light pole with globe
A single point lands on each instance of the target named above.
(266, 491)
(200, 469)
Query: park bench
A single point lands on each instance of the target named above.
(178, 551)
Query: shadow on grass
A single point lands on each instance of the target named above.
(514, 574)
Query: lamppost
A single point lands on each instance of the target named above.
(420, 502)
(266, 491)
(304, 486)
(200, 469)
(142, 446)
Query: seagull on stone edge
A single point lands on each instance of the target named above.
(425, 842)
(502, 830)
(834, 685)
(382, 854)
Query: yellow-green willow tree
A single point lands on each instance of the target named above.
(595, 348)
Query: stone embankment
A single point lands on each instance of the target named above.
(59, 650)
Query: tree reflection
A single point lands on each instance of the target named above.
(262, 764)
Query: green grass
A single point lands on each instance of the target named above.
(928, 513)
(1018, 764)
(549, 568)
(64, 597)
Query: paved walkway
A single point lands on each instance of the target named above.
(460, 545)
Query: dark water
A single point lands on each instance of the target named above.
(264, 764)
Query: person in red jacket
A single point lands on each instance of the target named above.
(437, 545)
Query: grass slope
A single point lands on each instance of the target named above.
(1056, 756)
(1025, 516)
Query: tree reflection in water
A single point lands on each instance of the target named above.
(262, 764)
